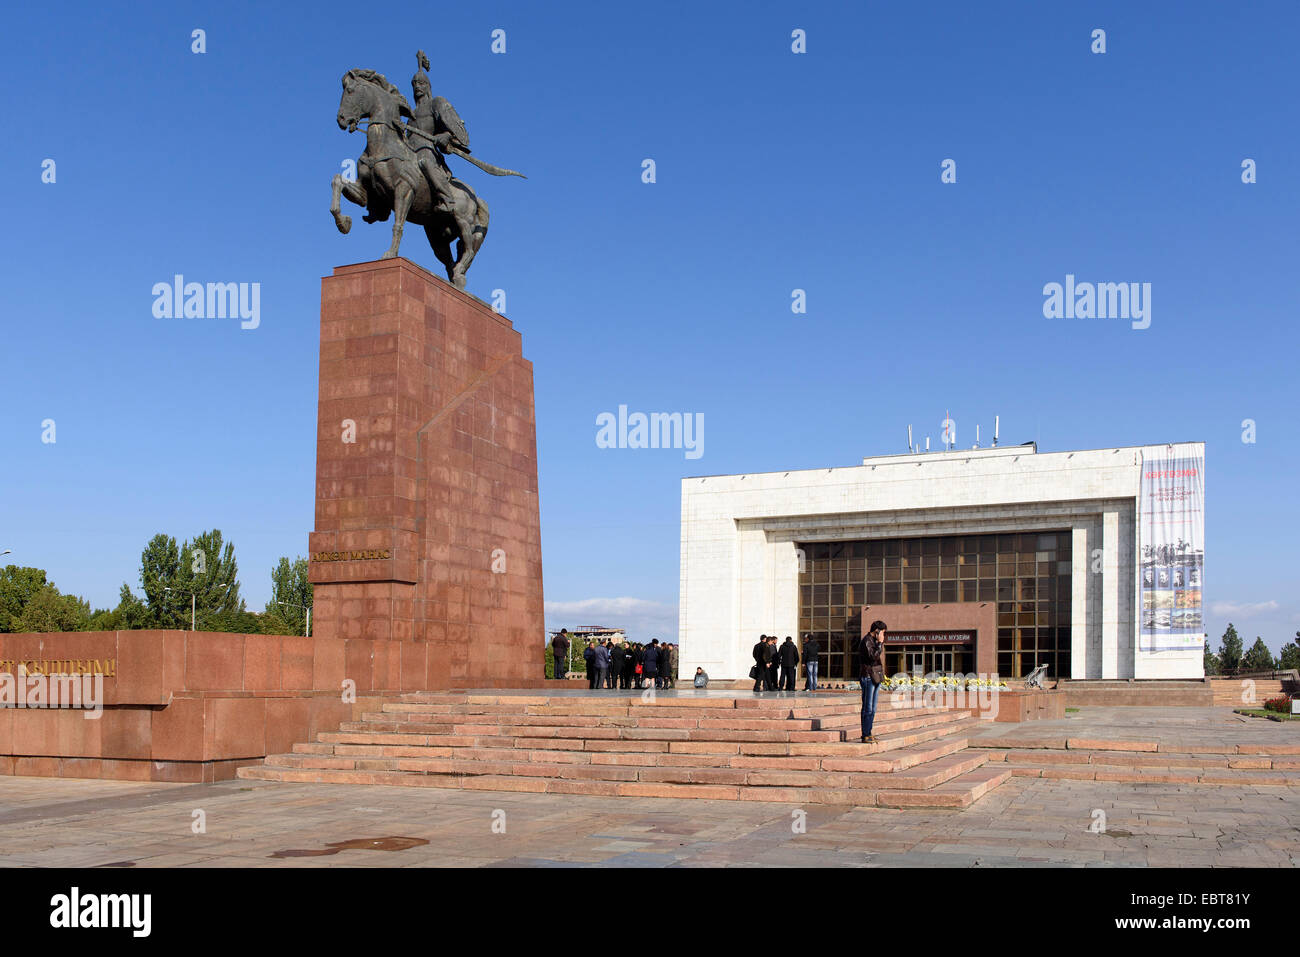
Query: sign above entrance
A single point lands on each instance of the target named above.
(929, 637)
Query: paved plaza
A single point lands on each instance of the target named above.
(1026, 822)
(1211, 729)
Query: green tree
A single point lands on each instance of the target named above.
(203, 568)
(29, 601)
(1258, 658)
(1230, 651)
(1211, 662)
(17, 587)
(236, 622)
(291, 596)
(160, 564)
(48, 610)
(130, 614)
(1290, 654)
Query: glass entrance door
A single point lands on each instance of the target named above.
(924, 661)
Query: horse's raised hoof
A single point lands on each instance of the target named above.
(344, 223)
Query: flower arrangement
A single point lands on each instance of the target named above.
(939, 682)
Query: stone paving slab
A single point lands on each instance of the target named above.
(1026, 822)
(1194, 730)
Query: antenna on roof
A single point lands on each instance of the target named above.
(977, 435)
(927, 443)
(909, 438)
(995, 431)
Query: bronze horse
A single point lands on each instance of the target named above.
(389, 179)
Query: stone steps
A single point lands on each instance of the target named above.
(479, 724)
(843, 758)
(744, 748)
(1148, 746)
(1164, 767)
(608, 711)
(889, 741)
(1232, 693)
(641, 739)
(921, 777)
(958, 792)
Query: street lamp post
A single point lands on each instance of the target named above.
(306, 628)
(194, 606)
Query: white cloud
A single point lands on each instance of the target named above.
(1243, 609)
(640, 618)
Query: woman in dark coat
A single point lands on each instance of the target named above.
(651, 664)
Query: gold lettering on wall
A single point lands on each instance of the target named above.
(363, 555)
(60, 666)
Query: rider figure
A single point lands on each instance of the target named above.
(429, 148)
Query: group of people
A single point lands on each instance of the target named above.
(776, 668)
(626, 665)
(623, 664)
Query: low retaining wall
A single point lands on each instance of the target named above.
(1037, 704)
(194, 706)
(1138, 694)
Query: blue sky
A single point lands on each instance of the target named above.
(775, 171)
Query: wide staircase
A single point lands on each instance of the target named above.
(1151, 761)
(787, 749)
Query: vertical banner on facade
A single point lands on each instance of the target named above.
(1171, 526)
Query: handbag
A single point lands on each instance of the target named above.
(638, 669)
(753, 672)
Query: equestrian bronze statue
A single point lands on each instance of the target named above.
(404, 170)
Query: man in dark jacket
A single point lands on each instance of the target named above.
(770, 656)
(600, 663)
(811, 649)
(560, 652)
(616, 656)
(629, 664)
(588, 653)
(789, 664)
(871, 654)
(650, 664)
(760, 663)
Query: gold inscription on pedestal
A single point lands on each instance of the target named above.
(61, 666)
(365, 555)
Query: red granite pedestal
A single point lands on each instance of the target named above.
(427, 521)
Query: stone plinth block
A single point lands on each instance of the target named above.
(427, 521)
